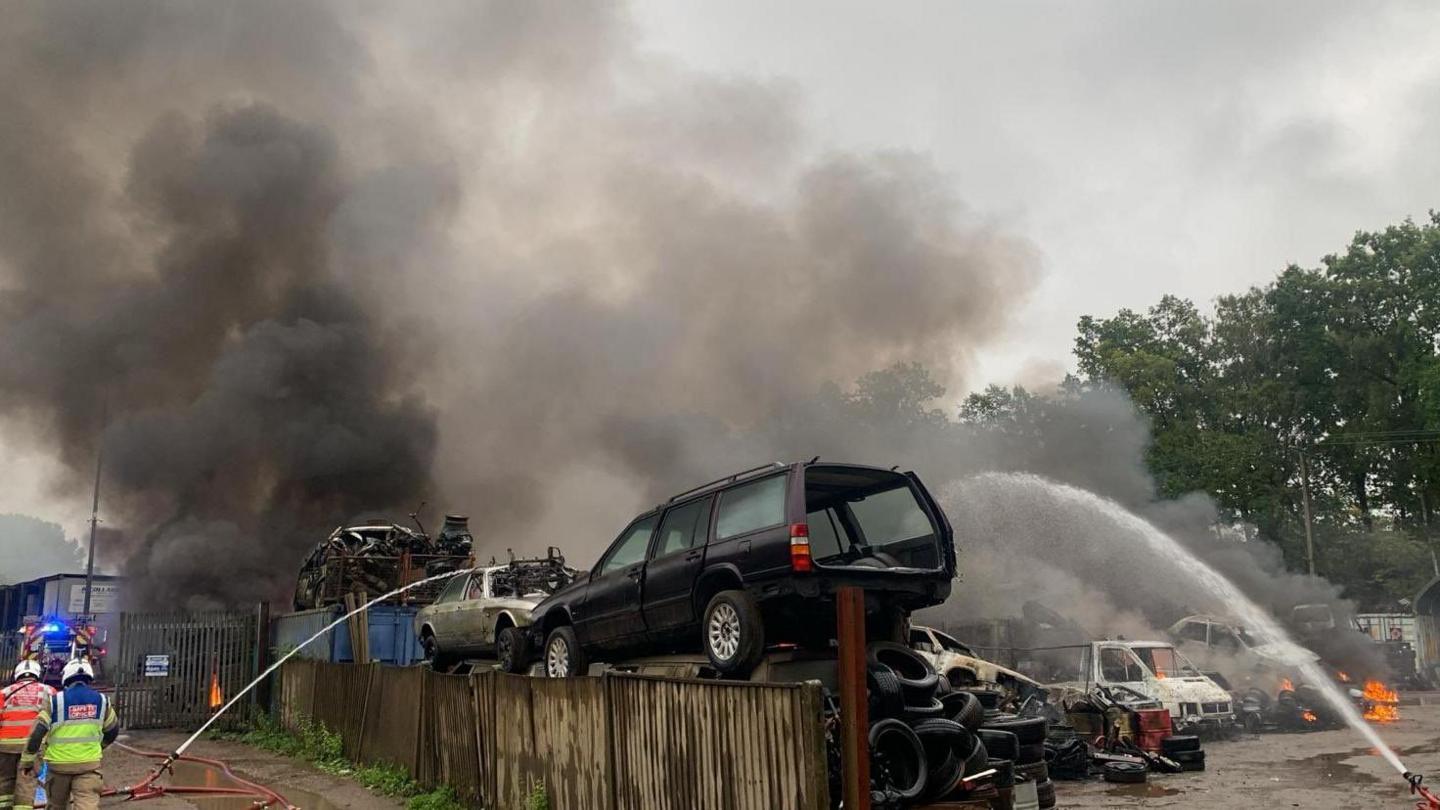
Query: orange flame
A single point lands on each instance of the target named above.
(1382, 701)
(1310, 717)
(1286, 685)
(1344, 677)
(217, 697)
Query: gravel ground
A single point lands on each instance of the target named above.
(302, 784)
(1322, 769)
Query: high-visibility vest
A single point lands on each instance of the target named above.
(20, 704)
(77, 723)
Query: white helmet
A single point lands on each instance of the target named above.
(27, 669)
(77, 668)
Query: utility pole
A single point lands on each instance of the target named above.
(1305, 498)
(94, 520)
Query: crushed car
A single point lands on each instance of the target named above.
(751, 560)
(1218, 644)
(486, 613)
(375, 558)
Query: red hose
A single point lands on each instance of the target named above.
(148, 789)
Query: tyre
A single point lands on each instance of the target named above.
(439, 661)
(1000, 744)
(989, 700)
(964, 708)
(563, 656)
(1030, 753)
(1125, 773)
(897, 760)
(1045, 794)
(1026, 729)
(1177, 743)
(1190, 760)
(1004, 772)
(886, 699)
(917, 678)
(732, 633)
(935, 710)
(511, 651)
(942, 740)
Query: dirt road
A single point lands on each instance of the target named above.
(1324, 770)
(299, 782)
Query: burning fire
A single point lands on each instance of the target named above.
(1381, 703)
(1310, 716)
(1286, 685)
(1343, 676)
(217, 697)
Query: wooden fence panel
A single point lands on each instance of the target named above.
(342, 694)
(391, 728)
(515, 761)
(450, 744)
(683, 745)
(571, 727)
(482, 687)
(297, 693)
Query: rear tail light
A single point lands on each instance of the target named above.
(800, 561)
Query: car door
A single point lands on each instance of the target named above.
(470, 615)
(1119, 667)
(611, 613)
(677, 553)
(443, 614)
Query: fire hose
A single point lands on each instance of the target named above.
(149, 788)
(1428, 800)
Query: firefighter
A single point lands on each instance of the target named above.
(75, 726)
(20, 703)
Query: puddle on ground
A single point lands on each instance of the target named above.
(1332, 767)
(1146, 790)
(195, 774)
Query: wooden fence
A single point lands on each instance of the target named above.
(621, 742)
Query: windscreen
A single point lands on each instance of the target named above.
(1166, 662)
(875, 518)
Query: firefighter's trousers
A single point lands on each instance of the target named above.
(16, 789)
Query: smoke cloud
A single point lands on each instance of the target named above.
(287, 264)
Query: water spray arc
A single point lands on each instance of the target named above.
(1213, 583)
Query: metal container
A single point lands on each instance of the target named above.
(1025, 797)
(392, 635)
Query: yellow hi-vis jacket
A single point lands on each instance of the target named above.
(76, 725)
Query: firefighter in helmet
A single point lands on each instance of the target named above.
(75, 726)
(20, 704)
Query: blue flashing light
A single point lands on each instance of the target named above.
(52, 627)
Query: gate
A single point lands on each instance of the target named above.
(174, 669)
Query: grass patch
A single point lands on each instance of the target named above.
(441, 798)
(535, 797)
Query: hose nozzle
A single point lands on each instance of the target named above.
(1414, 779)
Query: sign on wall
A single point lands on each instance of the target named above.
(157, 666)
(104, 596)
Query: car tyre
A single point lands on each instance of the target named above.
(563, 656)
(511, 652)
(733, 633)
(1124, 773)
(439, 661)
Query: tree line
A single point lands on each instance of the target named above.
(1329, 373)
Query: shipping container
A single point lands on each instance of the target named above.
(392, 635)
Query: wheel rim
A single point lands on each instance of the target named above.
(557, 658)
(723, 631)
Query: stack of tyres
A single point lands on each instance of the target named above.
(1023, 738)
(1184, 749)
(923, 740)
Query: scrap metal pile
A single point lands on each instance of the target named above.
(373, 559)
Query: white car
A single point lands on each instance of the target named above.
(1136, 671)
(1220, 645)
(959, 664)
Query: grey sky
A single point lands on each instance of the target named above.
(1145, 147)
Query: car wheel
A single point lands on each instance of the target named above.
(510, 651)
(732, 633)
(439, 661)
(563, 656)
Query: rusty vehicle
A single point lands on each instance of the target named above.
(751, 560)
(485, 613)
(373, 559)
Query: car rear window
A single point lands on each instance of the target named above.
(861, 515)
(752, 506)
